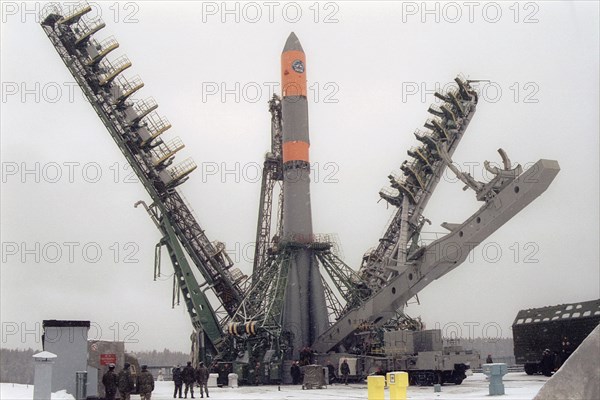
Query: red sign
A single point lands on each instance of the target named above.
(106, 359)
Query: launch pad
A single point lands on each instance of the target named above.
(301, 295)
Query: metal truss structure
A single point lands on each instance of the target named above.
(247, 325)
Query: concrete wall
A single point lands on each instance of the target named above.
(68, 340)
(93, 388)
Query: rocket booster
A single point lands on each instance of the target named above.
(305, 312)
(297, 224)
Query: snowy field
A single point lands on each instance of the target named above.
(518, 386)
(15, 391)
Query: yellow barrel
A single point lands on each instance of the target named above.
(398, 382)
(376, 387)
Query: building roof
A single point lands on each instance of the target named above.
(64, 323)
(44, 354)
(584, 309)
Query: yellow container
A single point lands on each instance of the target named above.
(376, 387)
(398, 382)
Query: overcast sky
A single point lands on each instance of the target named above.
(73, 246)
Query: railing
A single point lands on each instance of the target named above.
(156, 124)
(388, 191)
(438, 125)
(415, 165)
(50, 9)
(164, 151)
(83, 30)
(452, 91)
(110, 69)
(414, 149)
(331, 239)
(436, 109)
(77, 11)
(182, 169)
(422, 133)
(143, 107)
(103, 48)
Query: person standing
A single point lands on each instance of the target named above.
(177, 380)
(145, 383)
(257, 374)
(189, 378)
(202, 378)
(125, 382)
(345, 370)
(109, 380)
(331, 371)
(566, 349)
(489, 360)
(295, 372)
(547, 363)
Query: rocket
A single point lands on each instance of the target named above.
(305, 311)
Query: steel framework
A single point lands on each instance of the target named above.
(247, 325)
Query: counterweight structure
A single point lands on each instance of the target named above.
(301, 294)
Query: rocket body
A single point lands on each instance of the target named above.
(297, 225)
(305, 311)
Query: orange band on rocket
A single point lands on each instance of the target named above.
(293, 73)
(295, 151)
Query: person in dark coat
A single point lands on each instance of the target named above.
(125, 382)
(145, 383)
(109, 380)
(305, 356)
(345, 370)
(547, 363)
(257, 380)
(331, 370)
(489, 360)
(202, 379)
(177, 380)
(189, 378)
(566, 349)
(295, 372)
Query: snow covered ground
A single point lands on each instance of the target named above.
(15, 391)
(518, 386)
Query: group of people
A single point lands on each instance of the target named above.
(552, 360)
(143, 384)
(344, 370)
(189, 376)
(126, 384)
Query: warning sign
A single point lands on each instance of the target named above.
(106, 359)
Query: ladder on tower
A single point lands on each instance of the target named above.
(271, 176)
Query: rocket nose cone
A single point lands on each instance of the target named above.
(292, 43)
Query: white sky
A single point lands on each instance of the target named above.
(372, 69)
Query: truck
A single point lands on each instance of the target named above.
(545, 337)
(424, 355)
(428, 358)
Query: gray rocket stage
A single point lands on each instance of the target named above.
(305, 311)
